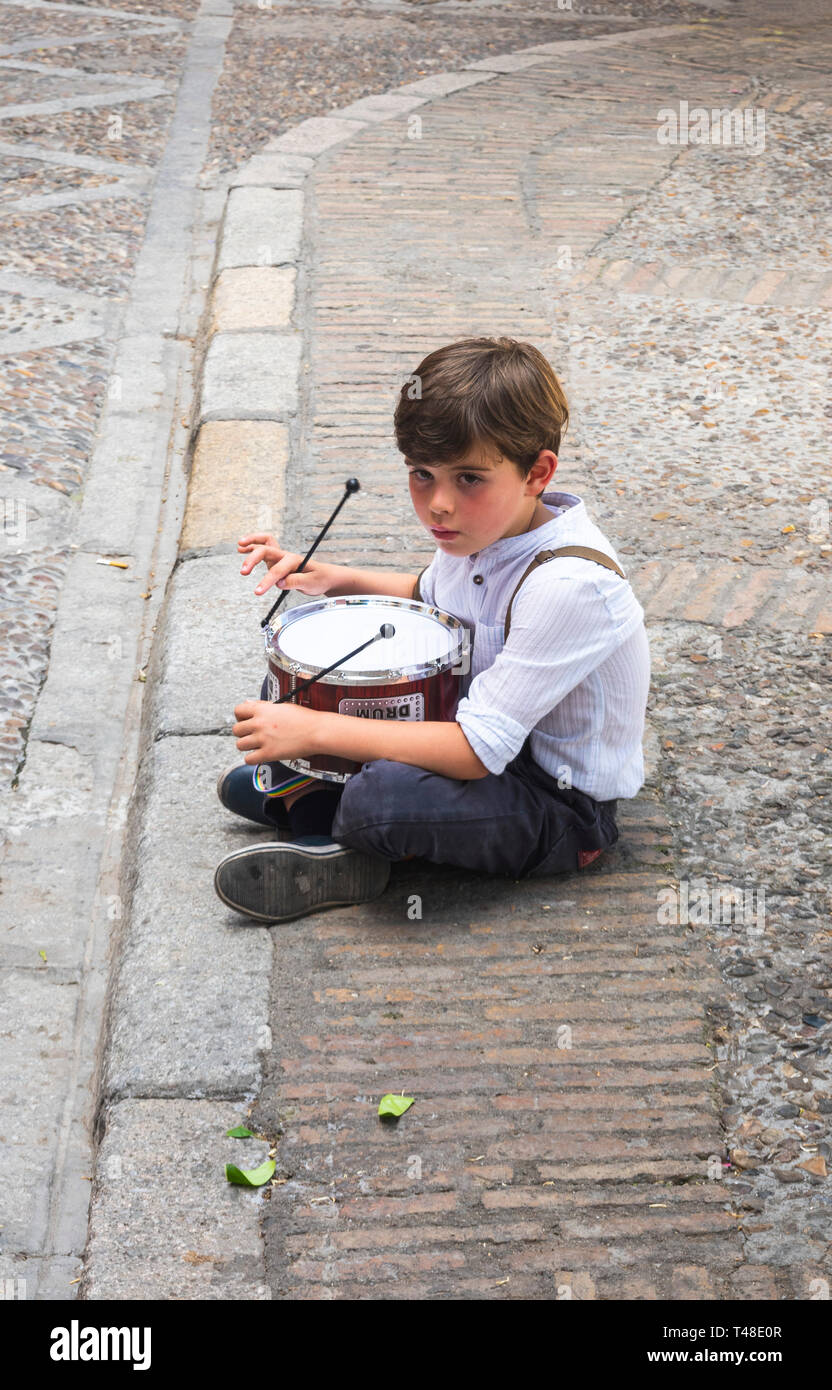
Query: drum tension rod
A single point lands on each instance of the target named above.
(350, 486)
(386, 630)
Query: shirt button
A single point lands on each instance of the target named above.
(478, 579)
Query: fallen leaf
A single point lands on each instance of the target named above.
(250, 1177)
(786, 529)
(239, 1132)
(394, 1105)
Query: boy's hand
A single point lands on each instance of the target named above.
(317, 578)
(270, 733)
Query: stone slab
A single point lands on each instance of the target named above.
(52, 1277)
(272, 171)
(250, 376)
(507, 62)
(93, 656)
(210, 652)
(314, 136)
(382, 108)
(164, 1220)
(46, 857)
(441, 84)
(262, 226)
(253, 297)
(38, 1019)
(236, 485)
(190, 1005)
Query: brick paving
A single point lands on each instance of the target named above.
(566, 1137)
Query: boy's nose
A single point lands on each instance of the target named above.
(438, 505)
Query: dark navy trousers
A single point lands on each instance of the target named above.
(518, 822)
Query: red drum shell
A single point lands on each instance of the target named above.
(440, 692)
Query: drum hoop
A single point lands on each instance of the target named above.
(390, 676)
(301, 765)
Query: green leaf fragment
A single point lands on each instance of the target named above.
(42, 955)
(239, 1132)
(251, 1177)
(394, 1105)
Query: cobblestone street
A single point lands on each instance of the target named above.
(680, 1148)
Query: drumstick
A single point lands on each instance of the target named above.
(350, 486)
(386, 630)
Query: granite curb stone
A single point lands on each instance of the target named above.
(253, 298)
(190, 1006)
(272, 171)
(315, 135)
(165, 1220)
(236, 464)
(262, 226)
(250, 376)
(211, 652)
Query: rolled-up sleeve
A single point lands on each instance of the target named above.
(561, 629)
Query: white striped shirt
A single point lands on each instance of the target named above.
(576, 668)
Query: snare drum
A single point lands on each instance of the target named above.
(416, 674)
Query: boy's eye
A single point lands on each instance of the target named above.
(470, 478)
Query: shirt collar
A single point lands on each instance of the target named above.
(572, 511)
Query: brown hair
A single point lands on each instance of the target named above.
(481, 390)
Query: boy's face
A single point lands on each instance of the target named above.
(477, 500)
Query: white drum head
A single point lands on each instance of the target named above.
(317, 634)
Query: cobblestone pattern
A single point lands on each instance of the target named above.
(67, 265)
(285, 63)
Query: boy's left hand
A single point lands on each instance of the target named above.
(271, 733)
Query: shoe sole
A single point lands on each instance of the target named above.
(279, 882)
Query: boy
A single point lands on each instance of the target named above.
(524, 781)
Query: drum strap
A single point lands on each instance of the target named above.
(580, 552)
(417, 592)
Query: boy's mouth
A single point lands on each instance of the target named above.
(441, 533)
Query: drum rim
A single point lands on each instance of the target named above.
(389, 676)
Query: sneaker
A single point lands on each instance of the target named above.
(250, 790)
(278, 882)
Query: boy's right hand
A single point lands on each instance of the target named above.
(282, 565)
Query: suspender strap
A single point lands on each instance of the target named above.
(580, 552)
(417, 592)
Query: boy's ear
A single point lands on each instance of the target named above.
(543, 469)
